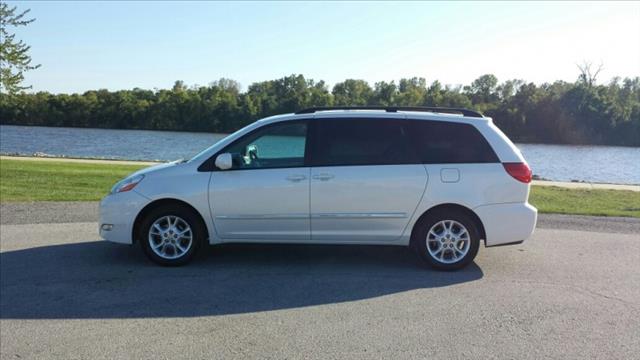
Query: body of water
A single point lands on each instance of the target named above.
(606, 164)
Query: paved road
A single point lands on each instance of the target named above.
(564, 294)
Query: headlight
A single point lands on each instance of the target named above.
(126, 184)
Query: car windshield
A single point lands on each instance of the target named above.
(198, 155)
(206, 149)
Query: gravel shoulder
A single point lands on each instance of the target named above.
(82, 212)
(48, 212)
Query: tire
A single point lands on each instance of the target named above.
(171, 235)
(446, 239)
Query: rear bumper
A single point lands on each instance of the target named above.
(117, 214)
(506, 224)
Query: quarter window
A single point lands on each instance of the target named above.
(362, 142)
(439, 142)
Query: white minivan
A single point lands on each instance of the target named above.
(439, 180)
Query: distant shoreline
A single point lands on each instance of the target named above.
(224, 134)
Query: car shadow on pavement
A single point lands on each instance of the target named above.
(102, 280)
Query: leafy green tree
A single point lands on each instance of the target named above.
(411, 92)
(352, 92)
(384, 93)
(447, 96)
(582, 112)
(14, 55)
(483, 89)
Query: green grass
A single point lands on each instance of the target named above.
(64, 181)
(551, 199)
(58, 181)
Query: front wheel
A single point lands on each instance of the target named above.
(171, 235)
(447, 240)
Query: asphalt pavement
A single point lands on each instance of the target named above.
(570, 292)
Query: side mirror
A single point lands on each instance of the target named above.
(224, 161)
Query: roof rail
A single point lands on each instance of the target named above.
(448, 110)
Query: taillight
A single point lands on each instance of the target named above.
(519, 171)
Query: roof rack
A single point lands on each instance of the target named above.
(448, 110)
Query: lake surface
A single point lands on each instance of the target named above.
(607, 164)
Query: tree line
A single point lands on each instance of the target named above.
(579, 112)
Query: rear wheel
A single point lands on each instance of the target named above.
(447, 240)
(171, 235)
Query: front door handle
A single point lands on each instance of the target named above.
(296, 178)
(323, 176)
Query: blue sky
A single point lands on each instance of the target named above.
(122, 45)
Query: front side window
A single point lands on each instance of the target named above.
(341, 142)
(440, 142)
(274, 146)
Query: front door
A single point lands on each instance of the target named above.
(366, 181)
(265, 195)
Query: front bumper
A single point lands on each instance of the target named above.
(118, 212)
(507, 223)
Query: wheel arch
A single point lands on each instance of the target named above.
(160, 203)
(450, 207)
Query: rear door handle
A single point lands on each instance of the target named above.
(296, 178)
(323, 176)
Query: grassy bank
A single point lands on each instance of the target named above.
(58, 181)
(65, 181)
(556, 200)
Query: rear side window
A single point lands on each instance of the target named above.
(439, 142)
(341, 142)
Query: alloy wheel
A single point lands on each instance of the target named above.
(170, 237)
(448, 241)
